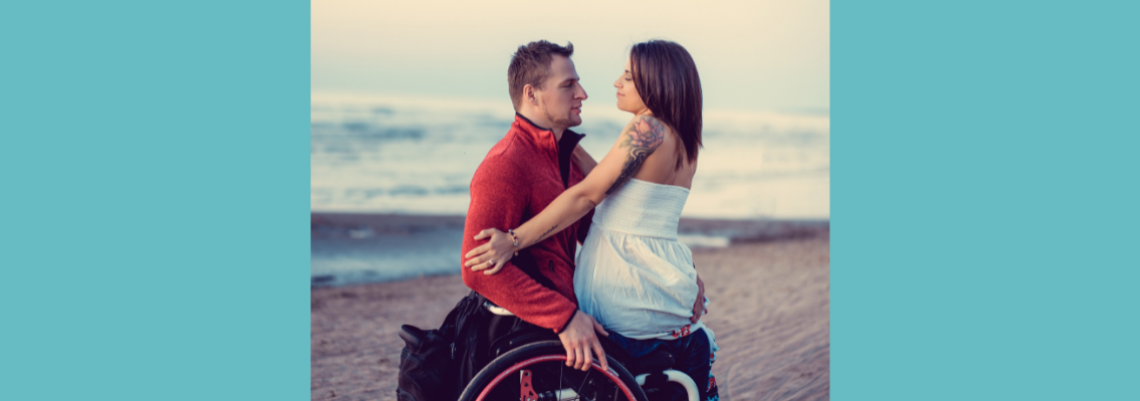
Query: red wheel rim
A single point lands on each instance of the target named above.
(502, 376)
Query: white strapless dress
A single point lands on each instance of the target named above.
(632, 274)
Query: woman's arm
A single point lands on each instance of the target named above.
(638, 140)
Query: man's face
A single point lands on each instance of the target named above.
(560, 98)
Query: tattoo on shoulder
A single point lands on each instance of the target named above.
(641, 137)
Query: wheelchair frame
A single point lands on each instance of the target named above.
(527, 349)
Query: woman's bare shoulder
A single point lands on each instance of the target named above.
(645, 132)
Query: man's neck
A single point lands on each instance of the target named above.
(543, 123)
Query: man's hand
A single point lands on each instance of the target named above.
(699, 305)
(579, 340)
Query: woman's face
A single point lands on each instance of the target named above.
(627, 97)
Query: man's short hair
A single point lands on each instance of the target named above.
(531, 65)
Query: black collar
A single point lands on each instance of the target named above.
(532, 122)
(574, 134)
(565, 154)
(566, 147)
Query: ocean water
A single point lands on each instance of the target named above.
(414, 155)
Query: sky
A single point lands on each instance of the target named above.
(751, 55)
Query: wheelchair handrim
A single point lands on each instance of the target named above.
(546, 358)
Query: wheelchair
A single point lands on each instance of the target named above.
(531, 366)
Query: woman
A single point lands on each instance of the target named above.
(632, 275)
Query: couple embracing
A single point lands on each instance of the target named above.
(537, 195)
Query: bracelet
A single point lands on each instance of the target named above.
(515, 239)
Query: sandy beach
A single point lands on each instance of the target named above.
(770, 311)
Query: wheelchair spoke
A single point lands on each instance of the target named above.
(560, 377)
(564, 381)
(545, 381)
(585, 379)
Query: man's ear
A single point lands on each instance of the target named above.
(528, 94)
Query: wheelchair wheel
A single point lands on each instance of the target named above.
(538, 371)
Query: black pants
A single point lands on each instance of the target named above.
(481, 330)
(491, 328)
(499, 327)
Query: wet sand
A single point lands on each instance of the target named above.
(770, 311)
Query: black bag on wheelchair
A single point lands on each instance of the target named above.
(431, 361)
(438, 364)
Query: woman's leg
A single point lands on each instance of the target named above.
(695, 359)
(693, 355)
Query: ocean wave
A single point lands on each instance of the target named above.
(417, 155)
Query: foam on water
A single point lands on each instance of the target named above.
(416, 155)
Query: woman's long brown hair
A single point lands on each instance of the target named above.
(667, 81)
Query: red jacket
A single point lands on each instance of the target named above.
(519, 177)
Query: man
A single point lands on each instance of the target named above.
(520, 176)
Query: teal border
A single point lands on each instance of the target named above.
(156, 198)
(984, 183)
(155, 177)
